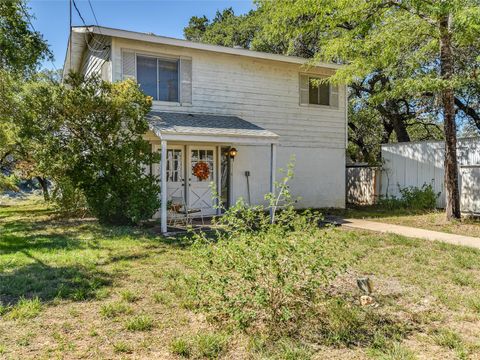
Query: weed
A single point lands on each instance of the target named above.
(181, 347)
(122, 347)
(451, 340)
(114, 309)
(162, 298)
(394, 351)
(25, 309)
(129, 296)
(210, 345)
(139, 323)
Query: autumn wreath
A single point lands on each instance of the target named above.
(201, 170)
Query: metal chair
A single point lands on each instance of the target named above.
(177, 207)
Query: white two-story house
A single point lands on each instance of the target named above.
(241, 114)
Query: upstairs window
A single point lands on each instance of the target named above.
(315, 92)
(318, 93)
(158, 77)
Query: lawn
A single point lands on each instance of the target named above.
(76, 289)
(430, 220)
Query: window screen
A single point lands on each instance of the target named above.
(158, 78)
(147, 75)
(318, 93)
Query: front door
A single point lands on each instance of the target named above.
(201, 174)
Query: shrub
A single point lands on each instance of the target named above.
(68, 200)
(411, 197)
(91, 132)
(255, 274)
(423, 198)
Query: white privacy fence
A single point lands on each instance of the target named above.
(419, 163)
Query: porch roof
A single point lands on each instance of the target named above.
(179, 126)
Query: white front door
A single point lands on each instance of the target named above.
(201, 174)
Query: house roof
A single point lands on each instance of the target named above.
(207, 127)
(78, 40)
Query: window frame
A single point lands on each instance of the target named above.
(334, 92)
(161, 57)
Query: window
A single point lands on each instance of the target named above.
(158, 78)
(318, 93)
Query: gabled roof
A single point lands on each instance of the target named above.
(80, 32)
(216, 128)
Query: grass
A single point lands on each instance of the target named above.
(430, 220)
(139, 323)
(72, 288)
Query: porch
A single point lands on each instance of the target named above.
(197, 159)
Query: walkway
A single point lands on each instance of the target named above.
(410, 232)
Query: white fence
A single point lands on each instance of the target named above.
(419, 163)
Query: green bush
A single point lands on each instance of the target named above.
(258, 275)
(411, 197)
(90, 132)
(68, 199)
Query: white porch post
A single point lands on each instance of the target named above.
(219, 180)
(273, 167)
(163, 189)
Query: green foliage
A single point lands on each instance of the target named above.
(204, 345)
(89, 135)
(8, 182)
(411, 197)
(129, 296)
(139, 323)
(22, 48)
(261, 275)
(25, 309)
(68, 200)
(114, 309)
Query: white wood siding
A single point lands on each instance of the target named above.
(263, 92)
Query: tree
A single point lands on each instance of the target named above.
(394, 119)
(21, 50)
(88, 135)
(414, 43)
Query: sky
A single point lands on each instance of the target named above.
(162, 17)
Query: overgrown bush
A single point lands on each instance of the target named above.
(411, 197)
(258, 275)
(90, 132)
(68, 199)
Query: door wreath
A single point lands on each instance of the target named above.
(201, 170)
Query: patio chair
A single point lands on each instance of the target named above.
(180, 213)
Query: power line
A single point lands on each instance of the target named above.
(78, 12)
(93, 12)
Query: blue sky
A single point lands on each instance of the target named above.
(162, 17)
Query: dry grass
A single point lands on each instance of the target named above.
(120, 293)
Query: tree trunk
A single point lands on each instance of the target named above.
(44, 184)
(452, 193)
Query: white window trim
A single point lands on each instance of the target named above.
(165, 57)
(331, 107)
